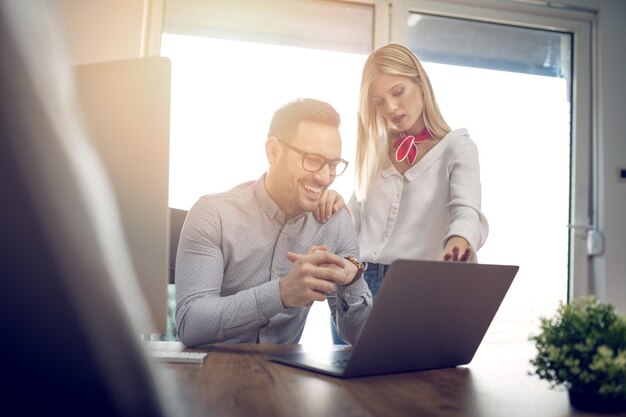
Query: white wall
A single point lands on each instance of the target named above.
(112, 29)
(103, 30)
(611, 266)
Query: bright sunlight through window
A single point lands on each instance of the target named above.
(225, 92)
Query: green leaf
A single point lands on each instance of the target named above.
(583, 346)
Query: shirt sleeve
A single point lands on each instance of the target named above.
(467, 219)
(350, 305)
(202, 314)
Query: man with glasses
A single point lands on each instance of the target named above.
(251, 261)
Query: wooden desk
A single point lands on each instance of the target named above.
(237, 380)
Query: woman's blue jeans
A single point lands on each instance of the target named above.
(373, 275)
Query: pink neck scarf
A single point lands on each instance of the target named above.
(406, 146)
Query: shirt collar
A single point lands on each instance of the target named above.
(268, 205)
(390, 171)
(434, 154)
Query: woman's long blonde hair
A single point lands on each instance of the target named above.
(373, 129)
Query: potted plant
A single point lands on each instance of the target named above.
(583, 348)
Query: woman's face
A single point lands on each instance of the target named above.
(399, 100)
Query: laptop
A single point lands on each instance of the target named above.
(427, 315)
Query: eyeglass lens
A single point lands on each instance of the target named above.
(314, 163)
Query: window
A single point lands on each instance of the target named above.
(233, 64)
(516, 75)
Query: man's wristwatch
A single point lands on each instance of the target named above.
(360, 268)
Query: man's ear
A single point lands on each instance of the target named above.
(273, 150)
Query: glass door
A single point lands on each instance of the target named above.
(513, 86)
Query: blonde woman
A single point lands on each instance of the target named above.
(418, 186)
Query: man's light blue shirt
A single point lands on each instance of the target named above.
(231, 256)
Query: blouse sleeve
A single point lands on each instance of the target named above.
(467, 218)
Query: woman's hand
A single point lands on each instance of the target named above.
(329, 203)
(457, 249)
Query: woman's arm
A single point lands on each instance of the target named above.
(468, 227)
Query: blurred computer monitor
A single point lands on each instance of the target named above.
(126, 105)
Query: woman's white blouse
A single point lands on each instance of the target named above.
(411, 215)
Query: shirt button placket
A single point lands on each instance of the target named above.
(393, 213)
(281, 247)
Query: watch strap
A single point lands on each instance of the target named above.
(359, 266)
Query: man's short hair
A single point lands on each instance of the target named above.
(289, 116)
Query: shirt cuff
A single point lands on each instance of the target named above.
(353, 294)
(268, 299)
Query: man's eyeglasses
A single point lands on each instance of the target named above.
(314, 163)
